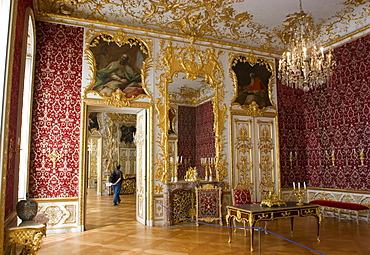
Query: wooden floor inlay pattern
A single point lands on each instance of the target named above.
(114, 230)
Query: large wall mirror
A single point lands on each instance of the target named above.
(191, 125)
(193, 93)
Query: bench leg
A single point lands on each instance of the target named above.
(339, 218)
(357, 217)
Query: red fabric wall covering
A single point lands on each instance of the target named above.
(56, 110)
(291, 123)
(186, 137)
(205, 136)
(337, 119)
(195, 136)
(15, 99)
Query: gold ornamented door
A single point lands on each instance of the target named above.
(255, 155)
(142, 154)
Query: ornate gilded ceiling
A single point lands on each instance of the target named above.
(251, 23)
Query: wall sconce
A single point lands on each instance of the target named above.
(291, 158)
(54, 156)
(331, 157)
(360, 155)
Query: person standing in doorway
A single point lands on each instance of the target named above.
(116, 184)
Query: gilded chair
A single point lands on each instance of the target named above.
(208, 203)
(241, 196)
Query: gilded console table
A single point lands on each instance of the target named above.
(253, 213)
(28, 234)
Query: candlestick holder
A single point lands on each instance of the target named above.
(174, 166)
(208, 164)
(299, 193)
(360, 155)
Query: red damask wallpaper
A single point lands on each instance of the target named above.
(333, 118)
(195, 136)
(56, 111)
(205, 136)
(15, 97)
(186, 137)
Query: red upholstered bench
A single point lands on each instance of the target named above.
(343, 205)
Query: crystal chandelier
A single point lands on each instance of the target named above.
(305, 65)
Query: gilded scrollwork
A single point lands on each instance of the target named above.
(266, 146)
(245, 169)
(266, 143)
(119, 82)
(243, 140)
(267, 173)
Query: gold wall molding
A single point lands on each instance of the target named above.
(61, 213)
(341, 190)
(56, 200)
(118, 98)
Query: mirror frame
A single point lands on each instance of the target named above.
(196, 63)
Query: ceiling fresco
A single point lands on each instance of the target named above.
(248, 23)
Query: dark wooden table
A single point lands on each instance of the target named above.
(253, 213)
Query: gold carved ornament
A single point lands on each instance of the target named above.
(30, 237)
(266, 166)
(118, 98)
(195, 63)
(244, 145)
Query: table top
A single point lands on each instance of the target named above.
(256, 208)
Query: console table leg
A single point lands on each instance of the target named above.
(291, 225)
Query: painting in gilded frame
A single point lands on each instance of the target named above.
(118, 68)
(253, 81)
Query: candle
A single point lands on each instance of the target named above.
(299, 185)
(304, 185)
(293, 185)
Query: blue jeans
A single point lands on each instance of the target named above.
(116, 190)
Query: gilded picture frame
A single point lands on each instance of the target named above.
(118, 65)
(253, 81)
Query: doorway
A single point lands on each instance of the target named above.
(115, 136)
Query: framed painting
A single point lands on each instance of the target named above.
(117, 66)
(253, 81)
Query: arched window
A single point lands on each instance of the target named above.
(26, 108)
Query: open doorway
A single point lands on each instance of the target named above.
(111, 141)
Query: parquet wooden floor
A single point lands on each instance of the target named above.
(114, 230)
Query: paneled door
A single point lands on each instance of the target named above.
(142, 154)
(255, 155)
